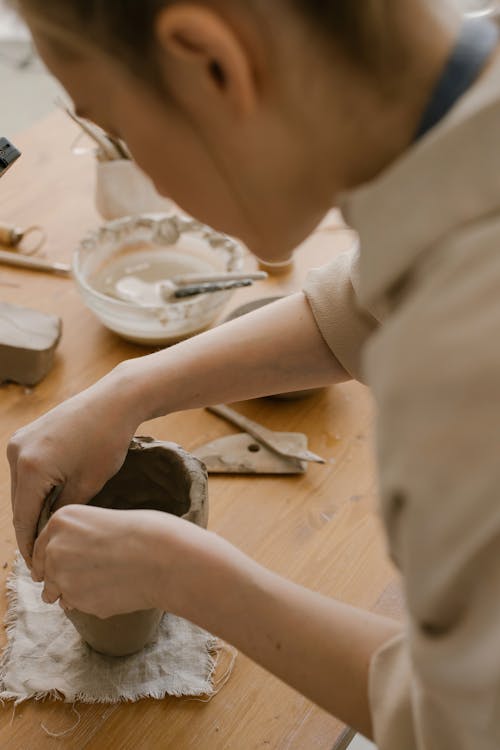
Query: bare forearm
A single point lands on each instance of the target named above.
(317, 645)
(278, 348)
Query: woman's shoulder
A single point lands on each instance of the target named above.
(443, 329)
(443, 186)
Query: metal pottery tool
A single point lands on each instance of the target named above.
(190, 285)
(108, 147)
(144, 294)
(287, 445)
(197, 289)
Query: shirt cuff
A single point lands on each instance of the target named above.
(344, 325)
(390, 696)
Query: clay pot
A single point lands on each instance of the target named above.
(155, 476)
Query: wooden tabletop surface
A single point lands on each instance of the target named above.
(320, 530)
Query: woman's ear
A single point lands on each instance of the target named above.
(206, 45)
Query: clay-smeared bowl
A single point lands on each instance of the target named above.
(155, 476)
(153, 248)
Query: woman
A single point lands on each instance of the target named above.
(257, 117)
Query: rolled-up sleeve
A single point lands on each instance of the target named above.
(343, 323)
(435, 372)
(390, 695)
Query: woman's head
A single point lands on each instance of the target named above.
(127, 28)
(242, 110)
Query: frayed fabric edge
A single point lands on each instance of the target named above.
(10, 624)
(214, 649)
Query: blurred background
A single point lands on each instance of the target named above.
(28, 92)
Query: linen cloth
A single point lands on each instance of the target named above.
(414, 310)
(45, 656)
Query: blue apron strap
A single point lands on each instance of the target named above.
(476, 44)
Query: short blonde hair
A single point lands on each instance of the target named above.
(361, 28)
(124, 28)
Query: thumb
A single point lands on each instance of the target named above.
(31, 499)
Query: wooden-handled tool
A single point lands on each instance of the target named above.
(18, 260)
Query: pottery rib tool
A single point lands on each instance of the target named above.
(287, 444)
(241, 454)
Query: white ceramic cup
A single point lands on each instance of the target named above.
(122, 189)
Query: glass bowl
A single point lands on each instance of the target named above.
(141, 245)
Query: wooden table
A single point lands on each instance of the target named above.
(320, 530)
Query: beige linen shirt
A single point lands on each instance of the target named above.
(416, 314)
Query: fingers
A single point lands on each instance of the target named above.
(28, 502)
(23, 523)
(29, 490)
(49, 453)
(49, 563)
(41, 570)
(56, 524)
(13, 477)
(50, 593)
(87, 561)
(38, 561)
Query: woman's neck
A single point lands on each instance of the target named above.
(382, 122)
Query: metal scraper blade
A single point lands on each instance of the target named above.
(242, 454)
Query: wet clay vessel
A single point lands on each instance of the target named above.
(155, 476)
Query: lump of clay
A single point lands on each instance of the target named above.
(155, 476)
(28, 341)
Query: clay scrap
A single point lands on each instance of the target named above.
(28, 341)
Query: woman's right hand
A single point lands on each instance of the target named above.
(78, 446)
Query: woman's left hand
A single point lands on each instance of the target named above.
(105, 562)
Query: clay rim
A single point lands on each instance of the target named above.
(195, 468)
(198, 491)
